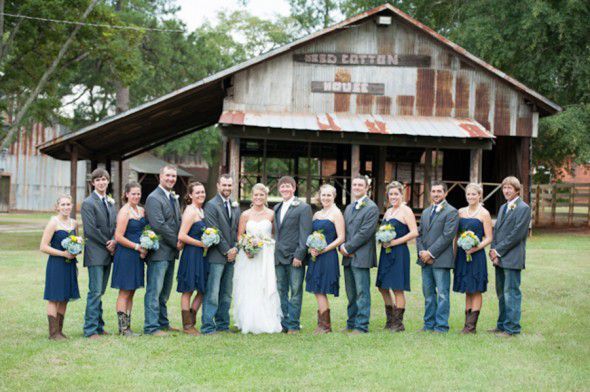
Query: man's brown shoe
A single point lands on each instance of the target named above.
(504, 335)
(495, 330)
(159, 333)
(356, 332)
(94, 337)
(292, 332)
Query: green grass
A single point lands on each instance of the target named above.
(552, 353)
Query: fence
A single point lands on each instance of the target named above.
(561, 204)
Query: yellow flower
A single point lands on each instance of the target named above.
(259, 243)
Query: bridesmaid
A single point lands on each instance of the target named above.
(193, 268)
(323, 274)
(61, 275)
(128, 268)
(471, 277)
(393, 273)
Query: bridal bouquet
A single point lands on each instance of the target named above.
(149, 239)
(251, 245)
(317, 241)
(386, 233)
(468, 240)
(73, 244)
(209, 238)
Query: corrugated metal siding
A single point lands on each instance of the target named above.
(449, 87)
(36, 179)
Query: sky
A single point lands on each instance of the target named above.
(195, 12)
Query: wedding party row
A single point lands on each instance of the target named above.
(262, 258)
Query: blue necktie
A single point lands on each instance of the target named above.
(503, 211)
(106, 208)
(172, 203)
(227, 209)
(433, 212)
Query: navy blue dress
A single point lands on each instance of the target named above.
(193, 268)
(128, 266)
(61, 275)
(471, 277)
(394, 267)
(323, 274)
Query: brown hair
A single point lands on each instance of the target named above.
(189, 189)
(169, 167)
(225, 176)
(513, 182)
(362, 177)
(128, 187)
(439, 183)
(99, 173)
(287, 180)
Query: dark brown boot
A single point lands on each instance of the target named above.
(471, 322)
(54, 328)
(128, 331)
(389, 317)
(193, 317)
(319, 329)
(465, 326)
(398, 319)
(60, 319)
(187, 323)
(327, 321)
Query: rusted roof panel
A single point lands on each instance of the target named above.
(363, 123)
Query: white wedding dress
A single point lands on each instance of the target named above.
(257, 306)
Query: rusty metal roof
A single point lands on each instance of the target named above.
(198, 105)
(363, 123)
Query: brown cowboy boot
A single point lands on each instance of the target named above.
(389, 317)
(60, 319)
(327, 323)
(193, 316)
(318, 330)
(187, 323)
(398, 318)
(472, 323)
(54, 328)
(128, 330)
(466, 326)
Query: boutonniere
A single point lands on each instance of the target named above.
(295, 203)
(440, 207)
(512, 206)
(174, 195)
(110, 199)
(360, 205)
(235, 204)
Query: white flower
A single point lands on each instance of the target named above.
(512, 206)
(174, 195)
(295, 203)
(235, 204)
(110, 200)
(360, 205)
(440, 207)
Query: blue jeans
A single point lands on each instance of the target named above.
(436, 284)
(358, 284)
(509, 300)
(160, 276)
(290, 278)
(98, 277)
(217, 300)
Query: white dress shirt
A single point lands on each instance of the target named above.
(285, 207)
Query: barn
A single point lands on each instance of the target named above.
(378, 94)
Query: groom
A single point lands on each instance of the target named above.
(292, 220)
(223, 214)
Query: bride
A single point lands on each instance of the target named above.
(257, 306)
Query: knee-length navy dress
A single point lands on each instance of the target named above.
(323, 274)
(394, 267)
(193, 268)
(471, 277)
(128, 266)
(61, 274)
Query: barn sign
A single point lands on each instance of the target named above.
(386, 60)
(348, 87)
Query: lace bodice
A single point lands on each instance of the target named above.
(262, 228)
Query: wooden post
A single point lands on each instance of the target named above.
(412, 180)
(296, 173)
(380, 176)
(427, 176)
(570, 215)
(553, 203)
(476, 163)
(308, 180)
(588, 190)
(537, 204)
(355, 161)
(264, 175)
(119, 190)
(234, 166)
(74, 177)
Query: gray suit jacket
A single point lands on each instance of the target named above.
(510, 234)
(361, 226)
(216, 216)
(291, 233)
(165, 222)
(437, 236)
(97, 230)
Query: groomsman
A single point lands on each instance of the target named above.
(224, 214)
(99, 218)
(359, 255)
(438, 227)
(507, 253)
(163, 215)
(293, 224)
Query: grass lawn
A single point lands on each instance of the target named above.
(552, 353)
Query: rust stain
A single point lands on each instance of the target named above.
(330, 126)
(473, 130)
(445, 59)
(405, 105)
(364, 103)
(383, 105)
(342, 101)
(376, 126)
(501, 114)
(425, 91)
(482, 105)
(232, 117)
(444, 95)
(462, 97)
(524, 126)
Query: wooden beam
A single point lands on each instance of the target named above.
(308, 180)
(119, 190)
(264, 158)
(74, 178)
(412, 181)
(476, 160)
(427, 176)
(380, 176)
(355, 161)
(234, 166)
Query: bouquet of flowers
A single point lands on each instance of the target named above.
(210, 237)
(468, 240)
(386, 233)
(149, 239)
(317, 241)
(250, 244)
(73, 244)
